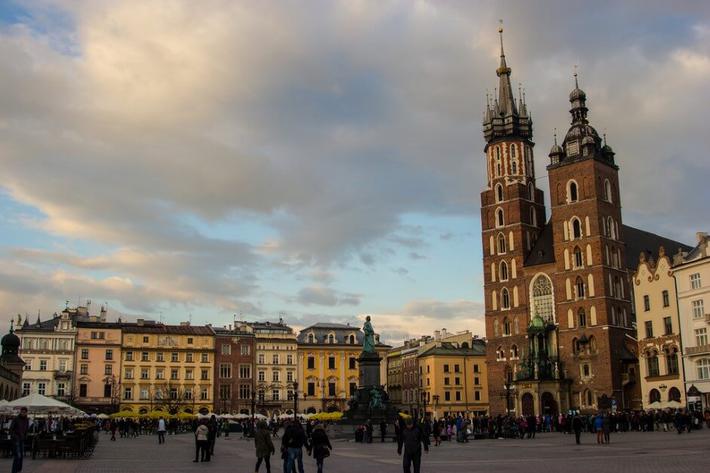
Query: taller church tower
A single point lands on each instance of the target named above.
(512, 215)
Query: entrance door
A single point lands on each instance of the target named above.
(548, 404)
(528, 404)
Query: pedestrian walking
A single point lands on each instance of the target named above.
(598, 428)
(577, 427)
(202, 452)
(320, 446)
(293, 441)
(161, 431)
(212, 427)
(383, 431)
(264, 446)
(409, 445)
(18, 434)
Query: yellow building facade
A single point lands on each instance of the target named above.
(275, 367)
(328, 368)
(167, 367)
(453, 378)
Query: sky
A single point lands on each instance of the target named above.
(315, 160)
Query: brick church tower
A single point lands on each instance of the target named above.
(558, 303)
(512, 213)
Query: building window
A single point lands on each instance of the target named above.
(501, 244)
(127, 394)
(703, 368)
(159, 357)
(578, 258)
(43, 365)
(245, 350)
(205, 358)
(107, 390)
(695, 281)
(331, 389)
(60, 389)
(82, 390)
(667, 325)
(542, 303)
(190, 340)
(226, 349)
(447, 381)
(275, 359)
(189, 357)
(174, 357)
(331, 362)
(42, 388)
(331, 339)
(352, 363)
(666, 300)
(128, 373)
(503, 271)
(129, 355)
(275, 376)
(289, 376)
(244, 391)
(84, 353)
(500, 218)
(108, 370)
(505, 299)
(189, 374)
(244, 371)
(582, 318)
(145, 374)
(649, 328)
(607, 190)
(652, 362)
(225, 391)
(500, 354)
(311, 389)
(261, 376)
(275, 395)
(311, 363)
(144, 356)
(576, 228)
(579, 286)
(145, 339)
(159, 373)
(447, 396)
(204, 394)
(572, 191)
(261, 395)
(311, 338)
(204, 374)
(646, 303)
(586, 371)
(84, 368)
(698, 309)
(499, 193)
(672, 360)
(289, 359)
(261, 359)
(701, 337)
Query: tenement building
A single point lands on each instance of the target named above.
(275, 367)
(234, 368)
(559, 315)
(658, 326)
(691, 271)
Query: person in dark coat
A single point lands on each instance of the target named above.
(320, 446)
(577, 427)
(410, 443)
(18, 434)
(383, 431)
(213, 427)
(293, 441)
(264, 446)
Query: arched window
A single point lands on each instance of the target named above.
(674, 394)
(531, 191)
(576, 228)
(500, 219)
(579, 286)
(590, 398)
(610, 228)
(533, 217)
(311, 338)
(331, 338)
(514, 352)
(618, 289)
(499, 165)
(582, 318)
(506, 327)
(614, 257)
(654, 396)
(575, 346)
(592, 344)
(500, 354)
(505, 300)
(578, 257)
(514, 167)
(542, 303)
(671, 360)
(501, 243)
(652, 363)
(503, 271)
(529, 168)
(607, 190)
(352, 339)
(499, 192)
(513, 153)
(572, 192)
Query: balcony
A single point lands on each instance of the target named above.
(66, 375)
(701, 350)
(546, 368)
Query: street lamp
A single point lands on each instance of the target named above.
(435, 397)
(253, 406)
(424, 405)
(295, 400)
(507, 397)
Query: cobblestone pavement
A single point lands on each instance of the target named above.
(548, 453)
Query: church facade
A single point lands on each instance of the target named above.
(559, 318)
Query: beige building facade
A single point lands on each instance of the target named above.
(276, 356)
(659, 340)
(98, 361)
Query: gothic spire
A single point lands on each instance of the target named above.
(505, 91)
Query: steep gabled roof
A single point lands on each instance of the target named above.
(638, 241)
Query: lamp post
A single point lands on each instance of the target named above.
(253, 406)
(423, 405)
(507, 397)
(295, 400)
(435, 398)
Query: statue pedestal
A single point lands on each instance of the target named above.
(369, 367)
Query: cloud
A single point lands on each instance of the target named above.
(325, 296)
(185, 155)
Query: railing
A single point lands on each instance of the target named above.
(700, 350)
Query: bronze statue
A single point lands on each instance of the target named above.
(368, 343)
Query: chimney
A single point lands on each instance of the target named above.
(437, 335)
(443, 333)
(140, 322)
(701, 236)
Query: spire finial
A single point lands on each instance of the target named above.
(604, 135)
(520, 92)
(576, 84)
(500, 33)
(554, 133)
(12, 325)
